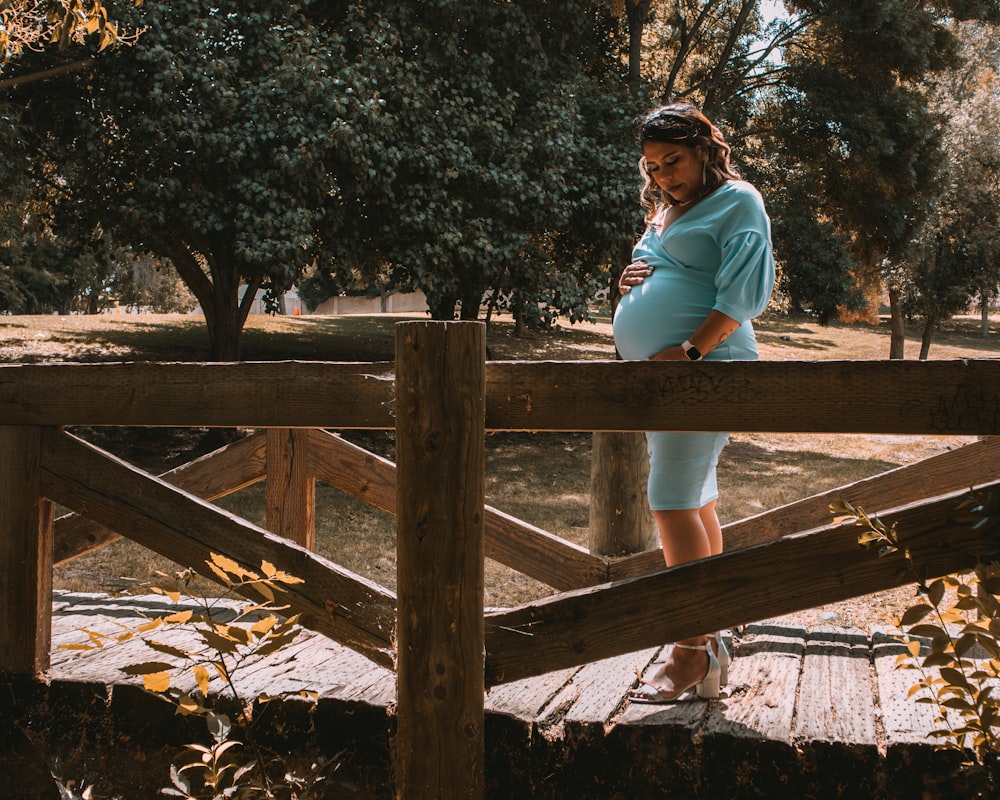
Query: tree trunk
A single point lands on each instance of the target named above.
(471, 301)
(636, 11)
(897, 340)
(442, 308)
(984, 314)
(216, 284)
(930, 325)
(620, 521)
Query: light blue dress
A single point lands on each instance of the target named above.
(717, 256)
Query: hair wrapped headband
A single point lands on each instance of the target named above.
(666, 126)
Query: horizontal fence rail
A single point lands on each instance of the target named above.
(889, 397)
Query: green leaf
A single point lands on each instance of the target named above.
(915, 614)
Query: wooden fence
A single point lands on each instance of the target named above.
(441, 397)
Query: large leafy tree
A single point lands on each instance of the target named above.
(855, 129)
(221, 139)
(505, 158)
(439, 145)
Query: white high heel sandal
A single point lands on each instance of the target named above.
(707, 688)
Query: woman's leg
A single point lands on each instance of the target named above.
(686, 535)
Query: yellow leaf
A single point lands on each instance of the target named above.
(76, 647)
(201, 677)
(179, 617)
(229, 566)
(156, 681)
(268, 569)
(173, 594)
(262, 626)
(187, 705)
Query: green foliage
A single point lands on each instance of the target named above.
(859, 141)
(952, 638)
(231, 636)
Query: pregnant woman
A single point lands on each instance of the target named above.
(700, 273)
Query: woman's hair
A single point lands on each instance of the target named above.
(682, 123)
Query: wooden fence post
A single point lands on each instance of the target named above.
(25, 554)
(438, 747)
(291, 490)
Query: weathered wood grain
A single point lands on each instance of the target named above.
(290, 394)
(527, 699)
(25, 553)
(904, 721)
(763, 680)
(290, 496)
(925, 397)
(922, 397)
(188, 531)
(817, 567)
(836, 702)
(439, 748)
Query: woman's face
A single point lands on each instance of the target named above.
(676, 168)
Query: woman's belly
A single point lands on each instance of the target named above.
(667, 308)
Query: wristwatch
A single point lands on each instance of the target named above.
(692, 352)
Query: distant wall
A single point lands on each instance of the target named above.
(398, 303)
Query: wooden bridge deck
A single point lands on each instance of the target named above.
(819, 712)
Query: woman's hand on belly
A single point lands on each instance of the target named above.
(634, 274)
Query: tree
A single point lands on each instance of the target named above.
(222, 139)
(854, 121)
(955, 254)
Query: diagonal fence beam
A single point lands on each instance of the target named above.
(214, 475)
(187, 530)
(782, 576)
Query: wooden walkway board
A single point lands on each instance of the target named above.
(792, 690)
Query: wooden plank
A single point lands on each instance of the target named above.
(290, 502)
(904, 720)
(767, 580)
(439, 745)
(352, 469)
(964, 467)
(597, 691)
(527, 699)
(211, 476)
(290, 394)
(919, 397)
(750, 730)
(188, 531)
(763, 679)
(835, 702)
(510, 541)
(25, 553)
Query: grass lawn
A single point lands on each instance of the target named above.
(542, 478)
